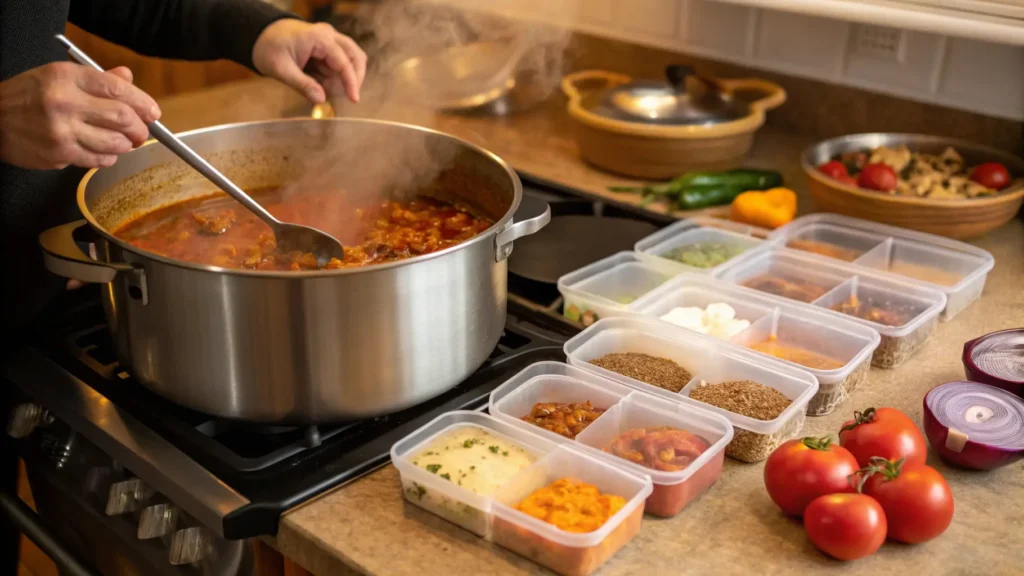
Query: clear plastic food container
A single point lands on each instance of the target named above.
(444, 497)
(738, 239)
(774, 320)
(627, 409)
(708, 360)
(957, 269)
(569, 553)
(903, 313)
(606, 287)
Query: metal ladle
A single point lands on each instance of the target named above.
(289, 237)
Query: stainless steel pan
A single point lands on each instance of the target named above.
(301, 346)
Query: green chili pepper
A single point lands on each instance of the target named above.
(695, 197)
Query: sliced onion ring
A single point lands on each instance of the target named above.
(974, 425)
(997, 359)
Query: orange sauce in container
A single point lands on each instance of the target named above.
(797, 355)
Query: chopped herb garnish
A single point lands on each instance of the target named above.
(433, 468)
(505, 453)
(417, 491)
(472, 442)
(446, 476)
(493, 449)
(472, 467)
(430, 453)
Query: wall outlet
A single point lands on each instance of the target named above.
(878, 42)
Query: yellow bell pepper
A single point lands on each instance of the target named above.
(768, 209)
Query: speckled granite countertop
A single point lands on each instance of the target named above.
(732, 529)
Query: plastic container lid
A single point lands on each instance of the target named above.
(651, 250)
(956, 269)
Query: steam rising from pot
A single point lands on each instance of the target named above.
(412, 75)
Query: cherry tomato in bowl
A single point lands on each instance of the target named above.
(991, 175)
(834, 169)
(879, 177)
(916, 499)
(846, 526)
(800, 470)
(884, 432)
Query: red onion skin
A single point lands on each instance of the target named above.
(975, 374)
(974, 456)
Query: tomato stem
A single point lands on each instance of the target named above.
(865, 417)
(887, 468)
(821, 443)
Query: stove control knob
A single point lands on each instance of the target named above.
(189, 546)
(157, 521)
(25, 419)
(126, 496)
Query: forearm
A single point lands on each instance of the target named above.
(185, 29)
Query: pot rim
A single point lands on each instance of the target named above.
(492, 231)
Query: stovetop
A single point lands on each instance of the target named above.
(266, 469)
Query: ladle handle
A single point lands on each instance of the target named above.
(160, 132)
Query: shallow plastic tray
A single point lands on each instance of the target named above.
(600, 290)
(495, 516)
(960, 268)
(814, 330)
(845, 281)
(627, 409)
(651, 249)
(709, 360)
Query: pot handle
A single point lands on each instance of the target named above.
(63, 257)
(532, 215)
(774, 95)
(570, 81)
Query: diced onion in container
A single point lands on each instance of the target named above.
(718, 320)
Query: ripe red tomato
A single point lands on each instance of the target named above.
(803, 469)
(878, 177)
(916, 499)
(845, 526)
(884, 432)
(991, 175)
(834, 169)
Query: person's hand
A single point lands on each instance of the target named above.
(63, 113)
(314, 59)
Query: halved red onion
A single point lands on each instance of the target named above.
(974, 425)
(997, 359)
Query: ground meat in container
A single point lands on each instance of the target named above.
(563, 419)
(660, 372)
(749, 398)
(217, 231)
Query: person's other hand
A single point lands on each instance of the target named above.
(64, 113)
(314, 59)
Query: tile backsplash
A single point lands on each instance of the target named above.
(979, 77)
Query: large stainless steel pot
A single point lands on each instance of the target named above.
(302, 346)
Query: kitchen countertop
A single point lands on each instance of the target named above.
(732, 529)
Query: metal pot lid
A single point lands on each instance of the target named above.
(671, 103)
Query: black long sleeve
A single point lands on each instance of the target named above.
(183, 29)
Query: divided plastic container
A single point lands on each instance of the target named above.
(494, 516)
(836, 283)
(654, 249)
(607, 287)
(956, 269)
(626, 409)
(816, 331)
(709, 361)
